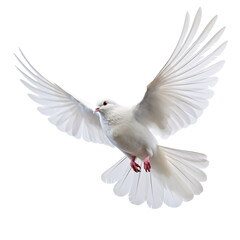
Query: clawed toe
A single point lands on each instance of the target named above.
(147, 165)
(136, 168)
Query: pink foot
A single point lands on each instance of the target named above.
(147, 165)
(136, 168)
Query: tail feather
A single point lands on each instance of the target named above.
(123, 186)
(175, 177)
(138, 192)
(171, 198)
(114, 173)
(187, 178)
(188, 161)
(155, 194)
(194, 158)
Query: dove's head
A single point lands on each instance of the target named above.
(105, 106)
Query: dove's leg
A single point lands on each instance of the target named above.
(134, 165)
(147, 165)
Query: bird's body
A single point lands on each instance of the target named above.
(173, 100)
(126, 133)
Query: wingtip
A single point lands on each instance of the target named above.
(20, 50)
(23, 82)
(16, 56)
(214, 19)
(225, 43)
(17, 68)
(199, 12)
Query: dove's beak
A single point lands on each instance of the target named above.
(97, 110)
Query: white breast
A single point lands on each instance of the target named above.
(127, 134)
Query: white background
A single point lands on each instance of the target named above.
(50, 185)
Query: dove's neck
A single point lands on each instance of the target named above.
(116, 116)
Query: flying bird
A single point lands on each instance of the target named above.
(173, 100)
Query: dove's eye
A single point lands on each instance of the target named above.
(105, 103)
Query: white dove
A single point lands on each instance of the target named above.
(173, 100)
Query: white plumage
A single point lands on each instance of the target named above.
(173, 100)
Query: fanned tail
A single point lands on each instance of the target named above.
(175, 177)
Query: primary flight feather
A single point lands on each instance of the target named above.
(173, 100)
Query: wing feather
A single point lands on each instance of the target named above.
(64, 111)
(180, 91)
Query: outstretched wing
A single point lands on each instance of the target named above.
(180, 92)
(66, 112)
